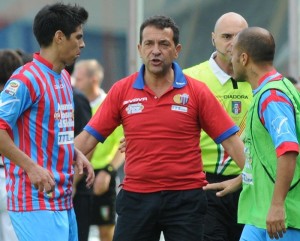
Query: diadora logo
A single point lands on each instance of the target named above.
(125, 102)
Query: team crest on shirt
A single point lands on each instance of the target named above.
(134, 108)
(181, 99)
(12, 87)
(236, 107)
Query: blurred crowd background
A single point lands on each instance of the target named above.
(111, 34)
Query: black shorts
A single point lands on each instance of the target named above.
(143, 216)
(221, 218)
(91, 209)
(104, 206)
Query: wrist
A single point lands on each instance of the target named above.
(110, 169)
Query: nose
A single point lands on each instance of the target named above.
(156, 50)
(82, 44)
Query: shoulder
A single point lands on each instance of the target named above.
(199, 71)
(196, 68)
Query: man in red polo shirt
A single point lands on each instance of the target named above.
(162, 112)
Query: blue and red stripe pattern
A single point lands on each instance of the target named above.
(277, 114)
(38, 113)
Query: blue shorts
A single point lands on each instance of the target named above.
(252, 233)
(45, 225)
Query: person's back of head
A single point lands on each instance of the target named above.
(26, 57)
(258, 43)
(9, 62)
(55, 17)
(161, 22)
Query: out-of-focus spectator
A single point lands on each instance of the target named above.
(9, 61)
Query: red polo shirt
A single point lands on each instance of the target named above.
(162, 134)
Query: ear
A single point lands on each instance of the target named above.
(213, 38)
(178, 49)
(59, 36)
(244, 59)
(139, 46)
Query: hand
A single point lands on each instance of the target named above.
(226, 187)
(275, 221)
(41, 178)
(83, 165)
(122, 146)
(101, 184)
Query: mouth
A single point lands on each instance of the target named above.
(156, 61)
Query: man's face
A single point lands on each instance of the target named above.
(158, 49)
(239, 71)
(81, 79)
(224, 35)
(70, 48)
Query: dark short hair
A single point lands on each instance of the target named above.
(58, 16)
(258, 43)
(9, 62)
(161, 22)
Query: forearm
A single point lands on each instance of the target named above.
(235, 148)
(286, 165)
(85, 143)
(118, 160)
(13, 153)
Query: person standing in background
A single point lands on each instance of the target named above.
(221, 218)
(9, 62)
(88, 76)
(163, 186)
(37, 130)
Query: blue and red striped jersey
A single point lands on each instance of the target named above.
(36, 109)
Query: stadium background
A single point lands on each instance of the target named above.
(111, 31)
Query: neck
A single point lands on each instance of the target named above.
(224, 64)
(159, 84)
(96, 92)
(48, 54)
(256, 73)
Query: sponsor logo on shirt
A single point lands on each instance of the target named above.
(181, 99)
(235, 97)
(134, 108)
(12, 87)
(179, 108)
(125, 102)
(65, 137)
(64, 115)
(59, 86)
(247, 178)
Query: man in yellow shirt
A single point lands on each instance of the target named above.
(221, 218)
(88, 76)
